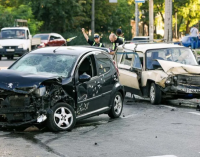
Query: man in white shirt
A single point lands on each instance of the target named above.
(195, 35)
(194, 31)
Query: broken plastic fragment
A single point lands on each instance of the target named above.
(41, 118)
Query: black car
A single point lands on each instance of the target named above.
(60, 85)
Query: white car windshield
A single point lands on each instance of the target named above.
(13, 34)
(53, 64)
(179, 55)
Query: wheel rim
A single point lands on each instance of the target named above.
(152, 93)
(117, 104)
(63, 117)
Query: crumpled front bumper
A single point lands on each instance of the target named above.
(186, 89)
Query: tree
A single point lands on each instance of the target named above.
(58, 15)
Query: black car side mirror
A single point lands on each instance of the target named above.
(84, 78)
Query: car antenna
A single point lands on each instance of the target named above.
(56, 49)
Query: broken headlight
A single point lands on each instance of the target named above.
(40, 91)
(168, 81)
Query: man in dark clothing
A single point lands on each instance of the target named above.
(96, 41)
(120, 34)
(116, 42)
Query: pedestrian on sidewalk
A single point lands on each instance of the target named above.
(96, 41)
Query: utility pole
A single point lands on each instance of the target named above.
(151, 21)
(136, 20)
(93, 18)
(176, 25)
(168, 21)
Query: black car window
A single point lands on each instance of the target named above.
(103, 64)
(88, 66)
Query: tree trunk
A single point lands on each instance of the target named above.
(160, 13)
(187, 27)
(179, 25)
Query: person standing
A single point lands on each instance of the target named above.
(116, 41)
(194, 32)
(96, 41)
(120, 34)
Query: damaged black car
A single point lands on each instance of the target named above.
(58, 86)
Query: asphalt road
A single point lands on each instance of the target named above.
(143, 130)
(5, 62)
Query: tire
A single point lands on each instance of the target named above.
(11, 57)
(117, 106)
(62, 114)
(0, 57)
(8, 57)
(155, 94)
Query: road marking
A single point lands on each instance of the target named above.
(168, 106)
(129, 116)
(164, 156)
(196, 113)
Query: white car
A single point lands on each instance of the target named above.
(158, 71)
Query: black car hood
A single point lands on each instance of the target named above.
(11, 79)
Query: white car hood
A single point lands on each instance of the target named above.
(177, 68)
(12, 42)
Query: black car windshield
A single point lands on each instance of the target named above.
(13, 34)
(42, 36)
(179, 55)
(56, 64)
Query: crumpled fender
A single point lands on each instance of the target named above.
(158, 76)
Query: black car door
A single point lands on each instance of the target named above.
(89, 93)
(106, 73)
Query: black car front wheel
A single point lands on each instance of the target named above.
(62, 119)
(117, 106)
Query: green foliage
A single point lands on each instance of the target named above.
(58, 15)
(9, 14)
(6, 17)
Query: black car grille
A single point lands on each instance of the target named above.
(186, 79)
(10, 47)
(16, 101)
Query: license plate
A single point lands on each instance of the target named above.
(10, 50)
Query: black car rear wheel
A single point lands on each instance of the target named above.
(117, 106)
(62, 119)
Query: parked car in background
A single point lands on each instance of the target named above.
(141, 39)
(50, 39)
(190, 41)
(158, 71)
(16, 41)
(60, 85)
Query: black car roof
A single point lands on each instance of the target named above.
(70, 50)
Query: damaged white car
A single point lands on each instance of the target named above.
(158, 71)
